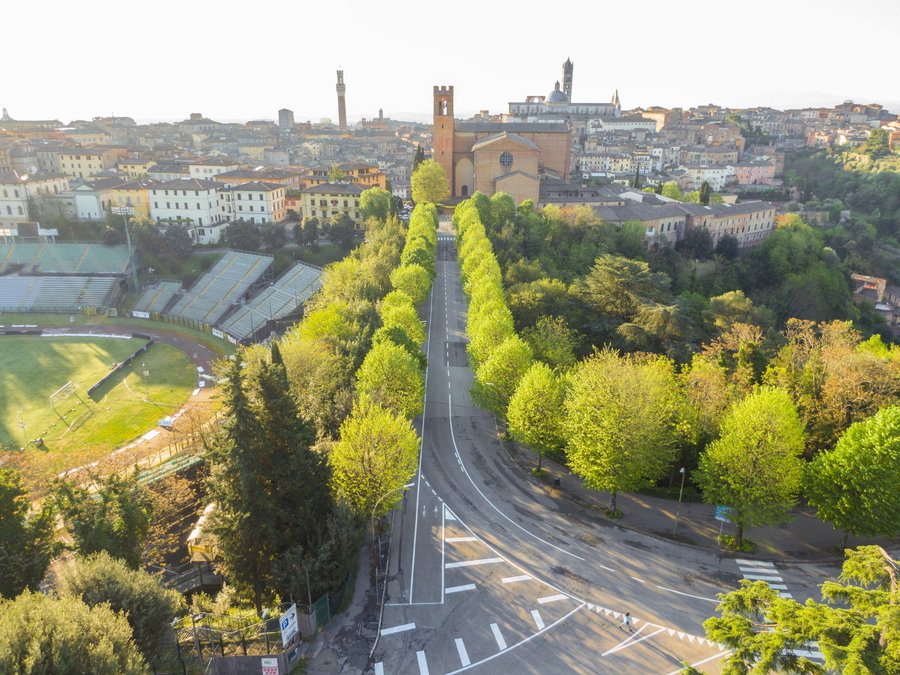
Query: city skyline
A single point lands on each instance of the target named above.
(781, 56)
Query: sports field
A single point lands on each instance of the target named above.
(33, 368)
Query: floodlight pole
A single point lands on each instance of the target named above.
(125, 212)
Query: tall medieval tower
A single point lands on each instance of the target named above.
(342, 104)
(442, 132)
(568, 67)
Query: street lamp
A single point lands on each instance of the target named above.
(377, 552)
(680, 493)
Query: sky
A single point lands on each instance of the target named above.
(164, 59)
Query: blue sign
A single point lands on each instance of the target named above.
(723, 513)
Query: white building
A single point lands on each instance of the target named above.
(187, 200)
(205, 169)
(716, 176)
(255, 202)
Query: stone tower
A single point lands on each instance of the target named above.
(342, 103)
(568, 67)
(442, 131)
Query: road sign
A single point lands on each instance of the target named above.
(269, 666)
(723, 513)
(289, 625)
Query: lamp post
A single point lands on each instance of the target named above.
(126, 212)
(680, 493)
(372, 520)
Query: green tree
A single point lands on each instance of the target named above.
(375, 203)
(242, 235)
(335, 175)
(148, 606)
(705, 193)
(42, 635)
(391, 377)
(114, 517)
(429, 183)
(418, 158)
(376, 456)
(179, 242)
(403, 316)
(671, 190)
(341, 230)
(621, 419)
(536, 412)
(553, 342)
(309, 233)
(26, 541)
(412, 279)
(857, 628)
(498, 377)
(877, 145)
(273, 236)
(754, 466)
(856, 486)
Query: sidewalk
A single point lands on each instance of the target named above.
(805, 538)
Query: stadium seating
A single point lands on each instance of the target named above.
(54, 294)
(221, 287)
(65, 258)
(156, 298)
(280, 299)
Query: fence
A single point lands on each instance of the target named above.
(121, 366)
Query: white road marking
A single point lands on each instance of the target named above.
(443, 544)
(398, 629)
(379, 668)
(698, 597)
(763, 577)
(501, 643)
(641, 580)
(463, 654)
(512, 580)
(423, 664)
(536, 615)
(608, 569)
(552, 598)
(754, 563)
(632, 643)
(472, 563)
(700, 663)
(460, 589)
(455, 540)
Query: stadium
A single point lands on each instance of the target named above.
(92, 369)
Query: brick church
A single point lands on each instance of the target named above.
(492, 157)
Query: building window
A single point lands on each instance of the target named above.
(506, 159)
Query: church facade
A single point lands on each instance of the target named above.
(493, 157)
(559, 104)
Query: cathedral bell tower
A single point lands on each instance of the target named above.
(568, 67)
(442, 131)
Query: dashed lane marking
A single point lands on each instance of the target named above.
(498, 636)
(455, 540)
(398, 629)
(538, 621)
(472, 563)
(463, 654)
(460, 589)
(423, 664)
(552, 598)
(513, 580)
(379, 668)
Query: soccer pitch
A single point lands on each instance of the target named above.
(33, 368)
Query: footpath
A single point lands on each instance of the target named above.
(804, 538)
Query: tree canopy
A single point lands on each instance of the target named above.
(429, 183)
(26, 542)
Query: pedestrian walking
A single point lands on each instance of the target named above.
(626, 621)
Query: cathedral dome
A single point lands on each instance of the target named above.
(556, 96)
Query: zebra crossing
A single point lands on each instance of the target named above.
(758, 570)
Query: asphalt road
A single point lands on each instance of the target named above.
(488, 574)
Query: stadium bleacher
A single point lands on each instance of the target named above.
(64, 258)
(213, 294)
(157, 297)
(277, 301)
(70, 293)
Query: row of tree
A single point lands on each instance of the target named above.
(622, 420)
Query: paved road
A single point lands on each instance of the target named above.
(486, 573)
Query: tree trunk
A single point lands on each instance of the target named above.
(844, 540)
(612, 502)
(739, 535)
(540, 457)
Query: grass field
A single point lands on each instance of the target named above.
(31, 368)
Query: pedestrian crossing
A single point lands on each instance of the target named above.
(758, 570)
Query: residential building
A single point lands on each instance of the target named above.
(749, 222)
(92, 198)
(88, 162)
(135, 194)
(359, 173)
(290, 179)
(164, 172)
(136, 169)
(211, 166)
(332, 200)
(255, 202)
(187, 200)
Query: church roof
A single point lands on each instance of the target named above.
(512, 127)
(515, 173)
(488, 140)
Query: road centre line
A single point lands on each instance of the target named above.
(536, 615)
(463, 654)
(552, 598)
(398, 629)
(689, 595)
(512, 580)
(633, 643)
(472, 563)
(423, 664)
(641, 580)
(501, 643)
(459, 589)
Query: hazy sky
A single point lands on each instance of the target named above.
(163, 59)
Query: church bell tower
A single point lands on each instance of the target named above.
(442, 131)
(568, 67)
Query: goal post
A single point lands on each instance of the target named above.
(62, 404)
